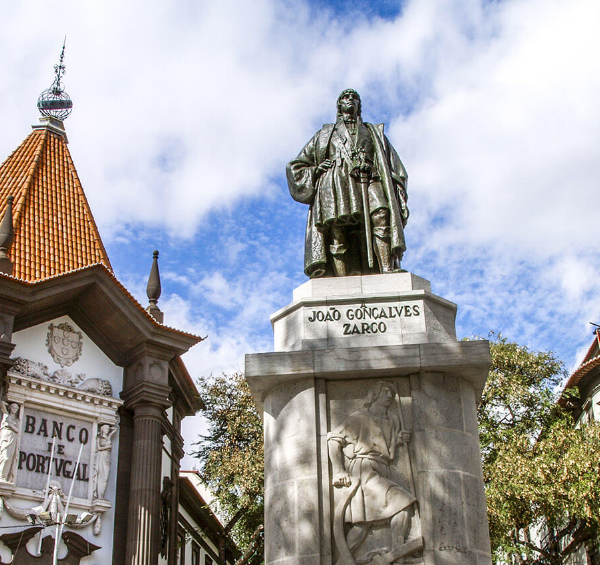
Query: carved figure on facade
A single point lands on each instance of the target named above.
(9, 440)
(52, 506)
(362, 450)
(166, 497)
(63, 377)
(96, 385)
(101, 470)
(355, 185)
(64, 344)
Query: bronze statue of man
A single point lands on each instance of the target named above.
(355, 184)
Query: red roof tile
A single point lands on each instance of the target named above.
(590, 361)
(55, 231)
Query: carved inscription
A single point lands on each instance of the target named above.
(39, 429)
(363, 319)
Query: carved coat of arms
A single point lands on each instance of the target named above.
(64, 344)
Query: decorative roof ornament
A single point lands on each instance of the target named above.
(7, 236)
(54, 102)
(153, 290)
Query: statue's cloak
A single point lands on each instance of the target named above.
(305, 184)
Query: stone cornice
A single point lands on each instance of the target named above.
(469, 360)
(30, 389)
(147, 393)
(87, 295)
(5, 352)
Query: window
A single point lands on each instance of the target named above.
(181, 547)
(195, 554)
(208, 560)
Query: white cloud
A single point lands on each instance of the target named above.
(507, 141)
(187, 109)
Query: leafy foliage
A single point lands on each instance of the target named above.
(539, 470)
(231, 453)
(518, 399)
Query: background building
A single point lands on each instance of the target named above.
(203, 539)
(93, 386)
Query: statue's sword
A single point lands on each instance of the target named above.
(364, 186)
(410, 466)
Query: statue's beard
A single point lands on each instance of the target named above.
(349, 117)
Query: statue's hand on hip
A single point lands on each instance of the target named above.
(324, 166)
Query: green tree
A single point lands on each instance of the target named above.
(539, 470)
(232, 459)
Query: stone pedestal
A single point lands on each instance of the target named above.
(341, 347)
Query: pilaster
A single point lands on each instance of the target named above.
(177, 453)
(7, 320)
(148, 402)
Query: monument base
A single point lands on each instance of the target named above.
(358, 426)
(361, 311)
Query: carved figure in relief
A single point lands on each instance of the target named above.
(54, 504)
(166, 496)
(361, 451)
(9, 434)
(102, 460)
(51, 508)
(97, 386)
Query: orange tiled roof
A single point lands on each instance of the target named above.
(55, 231)
(590, 361)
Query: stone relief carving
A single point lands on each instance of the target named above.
(165, 511)
(77, 546)
(53, 505)
(97, 386)
(101, 469)
(156, 370)
(362, 450)
(64, 344)
(9, 439)
(62, 377)
(5, 328)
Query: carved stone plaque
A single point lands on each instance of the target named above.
(38, 429)
(375, 515)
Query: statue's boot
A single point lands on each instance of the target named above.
(382, 249)
(398, 263)
(338, 252)
(339, 264)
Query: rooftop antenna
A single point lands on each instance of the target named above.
(54, 102)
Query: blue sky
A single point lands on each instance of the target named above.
(186, 113)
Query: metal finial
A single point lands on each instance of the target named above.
(153, 290)
(7, 236)
(54, 101)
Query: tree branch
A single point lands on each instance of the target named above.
(250, 551)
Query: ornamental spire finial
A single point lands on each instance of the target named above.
(54, 101)
(153, 290)
(7, 236)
